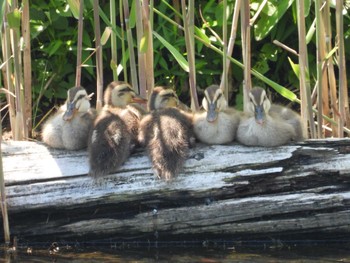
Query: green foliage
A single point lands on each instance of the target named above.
(54, 39)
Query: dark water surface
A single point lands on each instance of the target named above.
(260, 253)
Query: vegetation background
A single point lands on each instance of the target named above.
(268, 36)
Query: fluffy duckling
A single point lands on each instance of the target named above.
(218, 123)
(166, 132)
(265, 125)
(115, 130)
(69, 127)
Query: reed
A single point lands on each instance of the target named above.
(141, 48)
(224, 79)
(8, 69)
(246, 53)
(343, 90)
(188, 21)
(330, 88)
(27, 69)
(79, 44)
(305, 88)
(122, 25)
(114, 53)
(3, 206)
(319, 60)
(147, 17)
(231, 44)
(133, 70)
(99, 62)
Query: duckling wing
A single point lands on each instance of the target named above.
(52, 131)
(167, 134)
(75, 132)
(109, 144)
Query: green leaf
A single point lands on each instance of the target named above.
(54, 47)
(74, 7)
(307, 6)
(272, 12)
(105, 36)
(14, 19)
(132, 16)
(295, 67)
(176, 54)
(200, 33)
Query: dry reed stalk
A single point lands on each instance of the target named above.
(305, 89)
(246, 51)
(330, 69)
(114, 53)
(141, 56)
(188, 21)
(147, 16)
(27, 69)
(343, 90)
(20, 127)
(3, 205)
(224, 78)
(6, 51)
(79, 45)
(122, 25)
(231, 42)
(99, 61)
(133, 71)
(320, 55)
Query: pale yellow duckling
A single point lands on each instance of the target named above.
(262, 126)
(166, 132)
(115, 130)
(218, 123)
(69, 127)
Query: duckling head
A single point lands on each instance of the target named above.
(213, 102)
(77, 101)
(119, 94)
(162, 98)
(259, 104)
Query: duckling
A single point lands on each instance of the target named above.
(69, 127)
(115, 130)
(218, 123)
(120, 95)
(166, 132)
(264, 125)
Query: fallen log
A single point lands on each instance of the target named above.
(231, 191)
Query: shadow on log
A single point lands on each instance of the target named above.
(231, 192)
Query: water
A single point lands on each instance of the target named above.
(260, 252)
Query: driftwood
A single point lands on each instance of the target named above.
(229, 191)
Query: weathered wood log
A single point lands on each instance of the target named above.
(225, 191)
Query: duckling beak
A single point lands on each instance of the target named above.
(139, 99)
(259, 114)
(211, 113)
(69, 113)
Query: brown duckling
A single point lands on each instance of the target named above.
(266, 125)
(69, 127)
(115, 130)
(166, 132)
(218, 123)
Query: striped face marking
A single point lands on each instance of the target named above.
(213, 102)
(77, 100)
(259, 104)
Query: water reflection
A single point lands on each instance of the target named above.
(293, 254)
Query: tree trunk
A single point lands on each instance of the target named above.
(232, 191)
